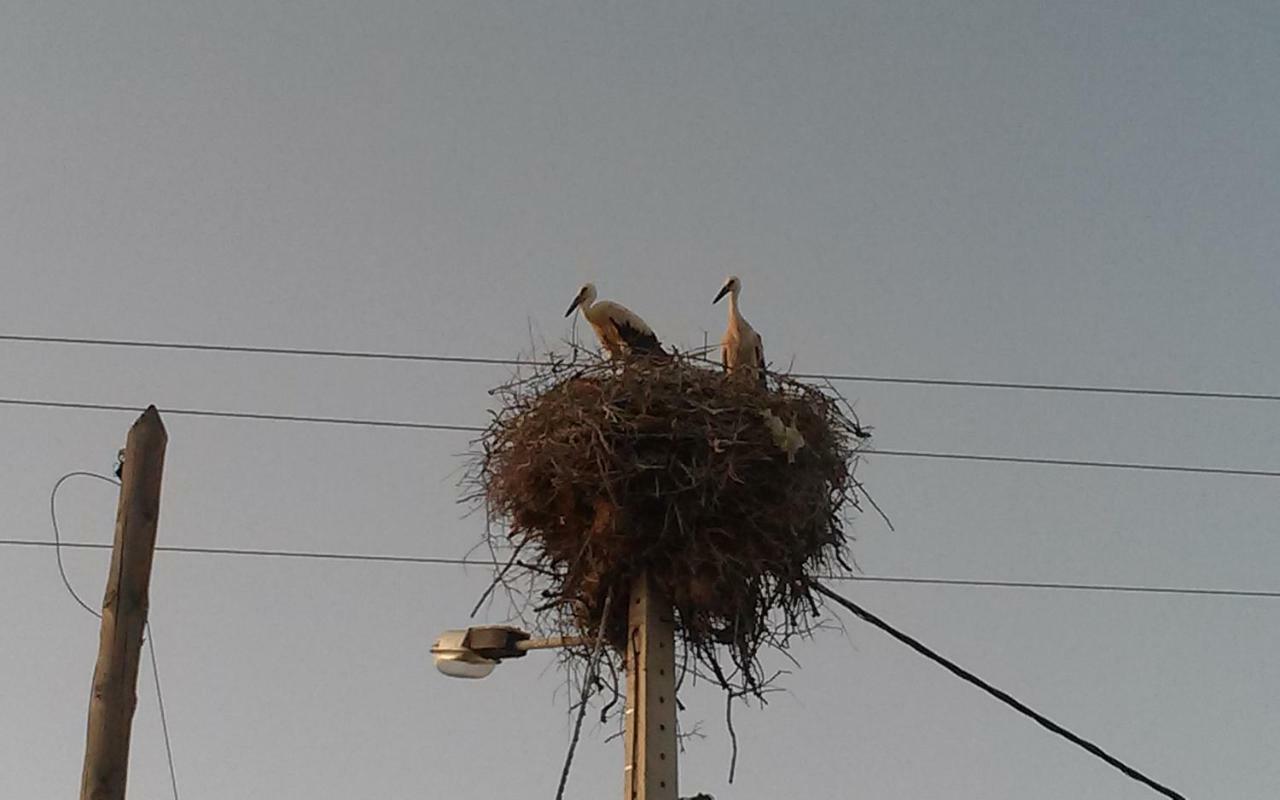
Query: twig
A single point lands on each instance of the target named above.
(858, 485)
(733, 735)
(498, 578)
(587, 685)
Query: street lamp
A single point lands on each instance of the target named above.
(474, 652)
(650, 714)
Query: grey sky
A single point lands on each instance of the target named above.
(1070, 192)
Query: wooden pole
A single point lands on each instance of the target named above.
(124, 612)
(650, 772)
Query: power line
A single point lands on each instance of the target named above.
(513, 362)
(58, 544)
(1065, 462)
(890, 579)
(432, 426)
(273, 351)
(234, 551)
(195, 412)
(164, 719)
(1042, 387)
(57, 535)
(999, 694)
(1071, 587)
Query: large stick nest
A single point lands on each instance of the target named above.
(603, 471)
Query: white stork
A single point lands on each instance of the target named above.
(620, 330)
(741, 348)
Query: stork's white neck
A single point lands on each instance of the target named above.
(733, 302)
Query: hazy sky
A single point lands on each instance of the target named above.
(1082, 192)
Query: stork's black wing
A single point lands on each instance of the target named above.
(641, 343)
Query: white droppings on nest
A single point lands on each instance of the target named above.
(786, 437)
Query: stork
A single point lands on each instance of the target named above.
(620, 330)
(741, 348)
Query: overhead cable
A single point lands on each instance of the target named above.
(999, 694)
(968, 383)
(888, 579)
(435, 426)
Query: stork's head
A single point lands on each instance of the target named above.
(586, 295)
(731, 284)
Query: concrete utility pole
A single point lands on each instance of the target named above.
(650, 770)
(124, 612)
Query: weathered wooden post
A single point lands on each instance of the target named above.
(124, 612)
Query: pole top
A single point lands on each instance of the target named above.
(150, 422)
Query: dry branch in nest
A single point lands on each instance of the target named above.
(732, 495)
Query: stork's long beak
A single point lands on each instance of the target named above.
(723, 291)
(577, 301)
